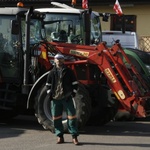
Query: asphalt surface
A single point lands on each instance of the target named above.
(24, 133)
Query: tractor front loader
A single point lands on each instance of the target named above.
(106, 84)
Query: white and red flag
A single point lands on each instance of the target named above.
(85, 4)
(117, 8)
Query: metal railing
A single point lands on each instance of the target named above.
(144, 43)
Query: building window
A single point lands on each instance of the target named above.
(123, 23)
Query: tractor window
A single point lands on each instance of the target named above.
(35, 31)
(95, 29)
(63, 28)
(8, 49)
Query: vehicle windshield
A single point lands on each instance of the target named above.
(69, 28)
(63, 28)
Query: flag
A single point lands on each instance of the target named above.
(117, 8)
(85, 4)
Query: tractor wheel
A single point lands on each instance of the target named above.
(124, 116)
(104, 106)
(82, 103)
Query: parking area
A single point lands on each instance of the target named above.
(24, 133)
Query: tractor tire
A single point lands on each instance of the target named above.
(82, 104)
(104, 106)
(124, 116)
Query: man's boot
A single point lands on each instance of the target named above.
(60, 140)
(75, 141)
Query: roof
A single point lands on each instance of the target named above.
(59, 10)
(12, 10)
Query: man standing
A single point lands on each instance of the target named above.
(62, 86)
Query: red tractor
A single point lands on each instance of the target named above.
(106, 83)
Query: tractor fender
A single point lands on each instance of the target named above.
(35, 89)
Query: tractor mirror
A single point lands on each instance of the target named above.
(14, 27)
(105, 16)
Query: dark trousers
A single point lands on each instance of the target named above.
(57, 108)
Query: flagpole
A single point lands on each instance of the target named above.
(123, 24)
(118, 10)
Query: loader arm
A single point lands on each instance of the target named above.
(126, 83)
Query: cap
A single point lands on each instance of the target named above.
(59, 56)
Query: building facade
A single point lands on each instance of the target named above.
(141, 22)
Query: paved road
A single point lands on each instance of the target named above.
(24, 133)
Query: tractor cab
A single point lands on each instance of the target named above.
(70, 25)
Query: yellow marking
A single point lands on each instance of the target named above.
(110, 75)
(117, 95)
(79, 53)
(121, 94)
